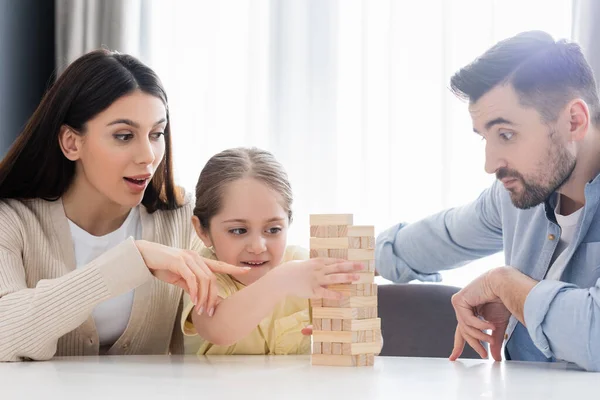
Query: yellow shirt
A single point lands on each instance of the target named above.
(278, 333)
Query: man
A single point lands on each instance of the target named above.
(534, 102)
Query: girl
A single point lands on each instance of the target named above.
(242, 214)
(95, 242)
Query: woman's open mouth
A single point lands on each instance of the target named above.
(137, 183)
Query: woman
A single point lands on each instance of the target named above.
(96, 242)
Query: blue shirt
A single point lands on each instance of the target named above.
(562, 318)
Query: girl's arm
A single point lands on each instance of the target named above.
(237, 315)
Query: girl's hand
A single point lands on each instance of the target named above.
(310, 278)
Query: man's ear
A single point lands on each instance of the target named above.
(70, 142)
(579, 120)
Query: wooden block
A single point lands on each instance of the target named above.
(354, 289)
(347, 349)
(317, 324)
(365, 277)
(360, 254)
(328, 243)
(333, 336)
(342, 360)
(369, 312)
(345, 289)
(319, 253)
(338, 253)
(370, 266)
(366, 242)
(325, 348)
(332, 231)
(374, 289)
(360, 289)
(367, 361)
(361, 324)
(318, 231)
(317, 348)
(343, 313)
(316, 303)
(352, 302)
(325, 323)
(354, 243)
(334, 313)
(336, 324)
(336, 348)
(328, 231)
(331, 219)
(377, 335)
(365, 289)
(360, 231)
(344, 336)
(365, 348)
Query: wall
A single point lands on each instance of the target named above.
(26, 62)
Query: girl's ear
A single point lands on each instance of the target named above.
(202, 234)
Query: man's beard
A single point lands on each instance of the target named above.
(534, 193)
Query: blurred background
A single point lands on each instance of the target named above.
(351, 95)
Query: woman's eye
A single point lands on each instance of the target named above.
(238, 231)
(274, 231)
(123, 137)
(156, 135)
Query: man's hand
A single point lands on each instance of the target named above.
(479, 308)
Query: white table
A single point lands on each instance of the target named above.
(289, 377)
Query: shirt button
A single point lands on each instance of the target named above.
(125, 345)
(551, 237)
(91, 340)
(506, 336)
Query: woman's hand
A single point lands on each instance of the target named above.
(189, 271)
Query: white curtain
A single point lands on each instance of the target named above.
(351, 96)
(85, 25)
(586, 14)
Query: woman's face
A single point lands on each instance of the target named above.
(117, 155)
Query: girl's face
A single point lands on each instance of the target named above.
(251, 229)
(120, 150)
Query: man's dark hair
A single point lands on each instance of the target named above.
(545, 74)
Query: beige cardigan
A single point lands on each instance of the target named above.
(46, 303)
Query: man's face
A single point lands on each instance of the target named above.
(527, 155)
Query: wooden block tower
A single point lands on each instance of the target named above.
(345, 332)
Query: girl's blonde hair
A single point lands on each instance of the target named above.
(231, 165)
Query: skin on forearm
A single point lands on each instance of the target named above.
(236, 316)
(512, 287)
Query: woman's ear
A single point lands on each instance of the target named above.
(70, 142)
(201, 232)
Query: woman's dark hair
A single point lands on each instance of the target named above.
(35, 166)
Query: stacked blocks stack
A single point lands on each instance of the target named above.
(346, 332)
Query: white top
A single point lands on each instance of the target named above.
(111, 316)
(290, 378)
(568, 226)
